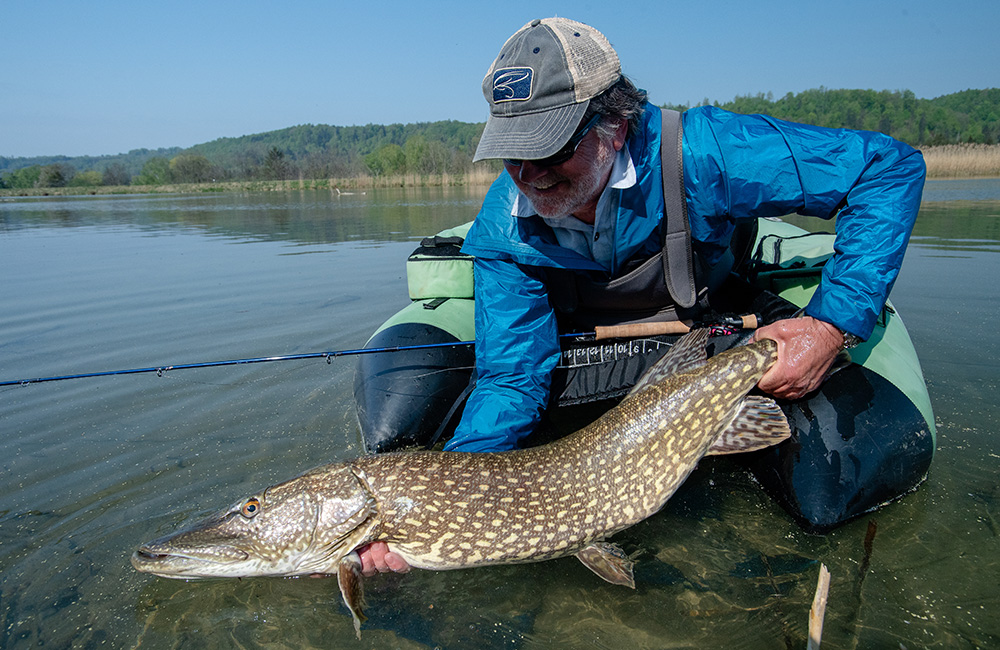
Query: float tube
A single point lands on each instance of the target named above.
(865, 438)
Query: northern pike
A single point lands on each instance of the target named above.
(451, 510)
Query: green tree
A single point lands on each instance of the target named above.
(276, 166)
(156, 171)
(24, 178)
(415, 154)
(387, 159)
(89, 178)
(56, 175)
(190, 168)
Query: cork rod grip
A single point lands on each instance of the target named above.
(637, 330)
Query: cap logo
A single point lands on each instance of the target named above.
(512, 84)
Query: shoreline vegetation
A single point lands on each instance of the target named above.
(959, 134)
(348, 186)
(954, 161)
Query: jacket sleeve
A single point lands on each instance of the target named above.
(517, 348)
(757, 166)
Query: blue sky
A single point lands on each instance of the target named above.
(106, 77)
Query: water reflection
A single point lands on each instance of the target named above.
(975, 189)
(960, 226)
(306, 217)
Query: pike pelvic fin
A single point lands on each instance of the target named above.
(686, 354)
(609, 562)
(352, 589)
(759, 424)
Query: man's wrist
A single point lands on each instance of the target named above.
(850, 340)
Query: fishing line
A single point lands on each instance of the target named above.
(600, 333)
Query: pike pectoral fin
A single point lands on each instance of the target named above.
(608, 561)
(759, 424)
(351, 589)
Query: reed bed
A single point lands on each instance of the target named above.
(962, 160)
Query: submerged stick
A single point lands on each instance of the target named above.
(818, 610)
(867, 558)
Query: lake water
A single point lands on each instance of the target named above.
(93, 467)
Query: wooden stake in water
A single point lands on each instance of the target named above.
(818, 610)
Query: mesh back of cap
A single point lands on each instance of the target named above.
(592, 61)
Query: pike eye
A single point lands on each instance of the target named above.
(250, 508)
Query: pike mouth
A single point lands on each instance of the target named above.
(143, 555)
(152, 560)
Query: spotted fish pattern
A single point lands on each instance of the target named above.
(440, 510)
(447, 510)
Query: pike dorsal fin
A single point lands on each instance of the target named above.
(759, 424)
(686, 354)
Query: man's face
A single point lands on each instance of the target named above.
(572, 187)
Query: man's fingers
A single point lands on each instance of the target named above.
(806, 349)
(396, 563)
(377, 558)
(367, 563)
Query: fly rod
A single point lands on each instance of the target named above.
(599, 333)
(159, 370)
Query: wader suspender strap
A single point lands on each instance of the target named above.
(678, 266)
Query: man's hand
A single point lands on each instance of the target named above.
(377, 558)
(807, 347)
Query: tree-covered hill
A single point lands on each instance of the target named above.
(970, 116)
(322, 151)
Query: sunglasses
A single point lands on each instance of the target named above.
(563, 154)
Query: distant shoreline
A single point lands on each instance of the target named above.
(956, 161)
(346, 186)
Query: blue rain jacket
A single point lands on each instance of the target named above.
(735, 167)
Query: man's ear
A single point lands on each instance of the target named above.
(619, 139)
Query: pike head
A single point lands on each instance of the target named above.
(307, 525)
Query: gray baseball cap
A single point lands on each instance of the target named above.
(540, 85)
